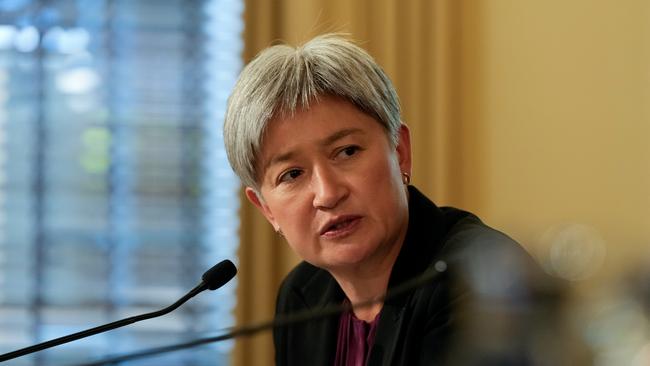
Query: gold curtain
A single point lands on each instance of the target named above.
(415, 42)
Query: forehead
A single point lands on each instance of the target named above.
(325, 121)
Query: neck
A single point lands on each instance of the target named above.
(366, 290)
(368, 282)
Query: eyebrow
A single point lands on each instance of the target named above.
(327, 141)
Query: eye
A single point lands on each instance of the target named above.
(349, 151)
(289, 176)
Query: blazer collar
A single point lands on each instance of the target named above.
(427, 228)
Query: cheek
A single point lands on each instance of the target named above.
(293, 216)
(297, 229)
(384, 172)
(384, 188)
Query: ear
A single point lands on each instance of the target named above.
(258, 201)
(404, 149)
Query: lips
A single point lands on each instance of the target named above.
(340, 226)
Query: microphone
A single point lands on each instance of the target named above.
(212, 279)
(280, 320)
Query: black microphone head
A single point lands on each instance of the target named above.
(219, 274)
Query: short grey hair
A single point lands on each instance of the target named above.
(282, 79)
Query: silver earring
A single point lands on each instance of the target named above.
(406, 178)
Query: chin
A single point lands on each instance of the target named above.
(346, 258)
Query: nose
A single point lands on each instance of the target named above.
(329, 187)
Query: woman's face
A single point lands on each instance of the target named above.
(330, 180)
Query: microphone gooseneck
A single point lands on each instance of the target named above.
(278, 321)
(212, 279)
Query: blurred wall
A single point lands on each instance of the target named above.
(555, 104)
(533, 114)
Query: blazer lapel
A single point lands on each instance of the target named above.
(320, 292)
(391, 322)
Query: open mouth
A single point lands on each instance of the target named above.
(341, 226)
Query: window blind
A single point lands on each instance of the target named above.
(115, 191)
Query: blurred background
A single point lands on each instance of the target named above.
(115, 194)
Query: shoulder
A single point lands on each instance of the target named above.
(487, 265)
(454, 239)
(306, 286)
(294, 281)
(470, 236)
(470, 242)
(307, 291)
(460, 242)
(492, 280)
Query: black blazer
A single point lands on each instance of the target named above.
(422, 326)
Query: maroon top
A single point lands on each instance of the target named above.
(355, 339)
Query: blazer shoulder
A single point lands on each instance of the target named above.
(491, 262)
(300, 276)
(306, 286)
(469, 236)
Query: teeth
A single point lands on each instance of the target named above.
(339, 225)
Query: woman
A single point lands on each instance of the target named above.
(315, 135)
